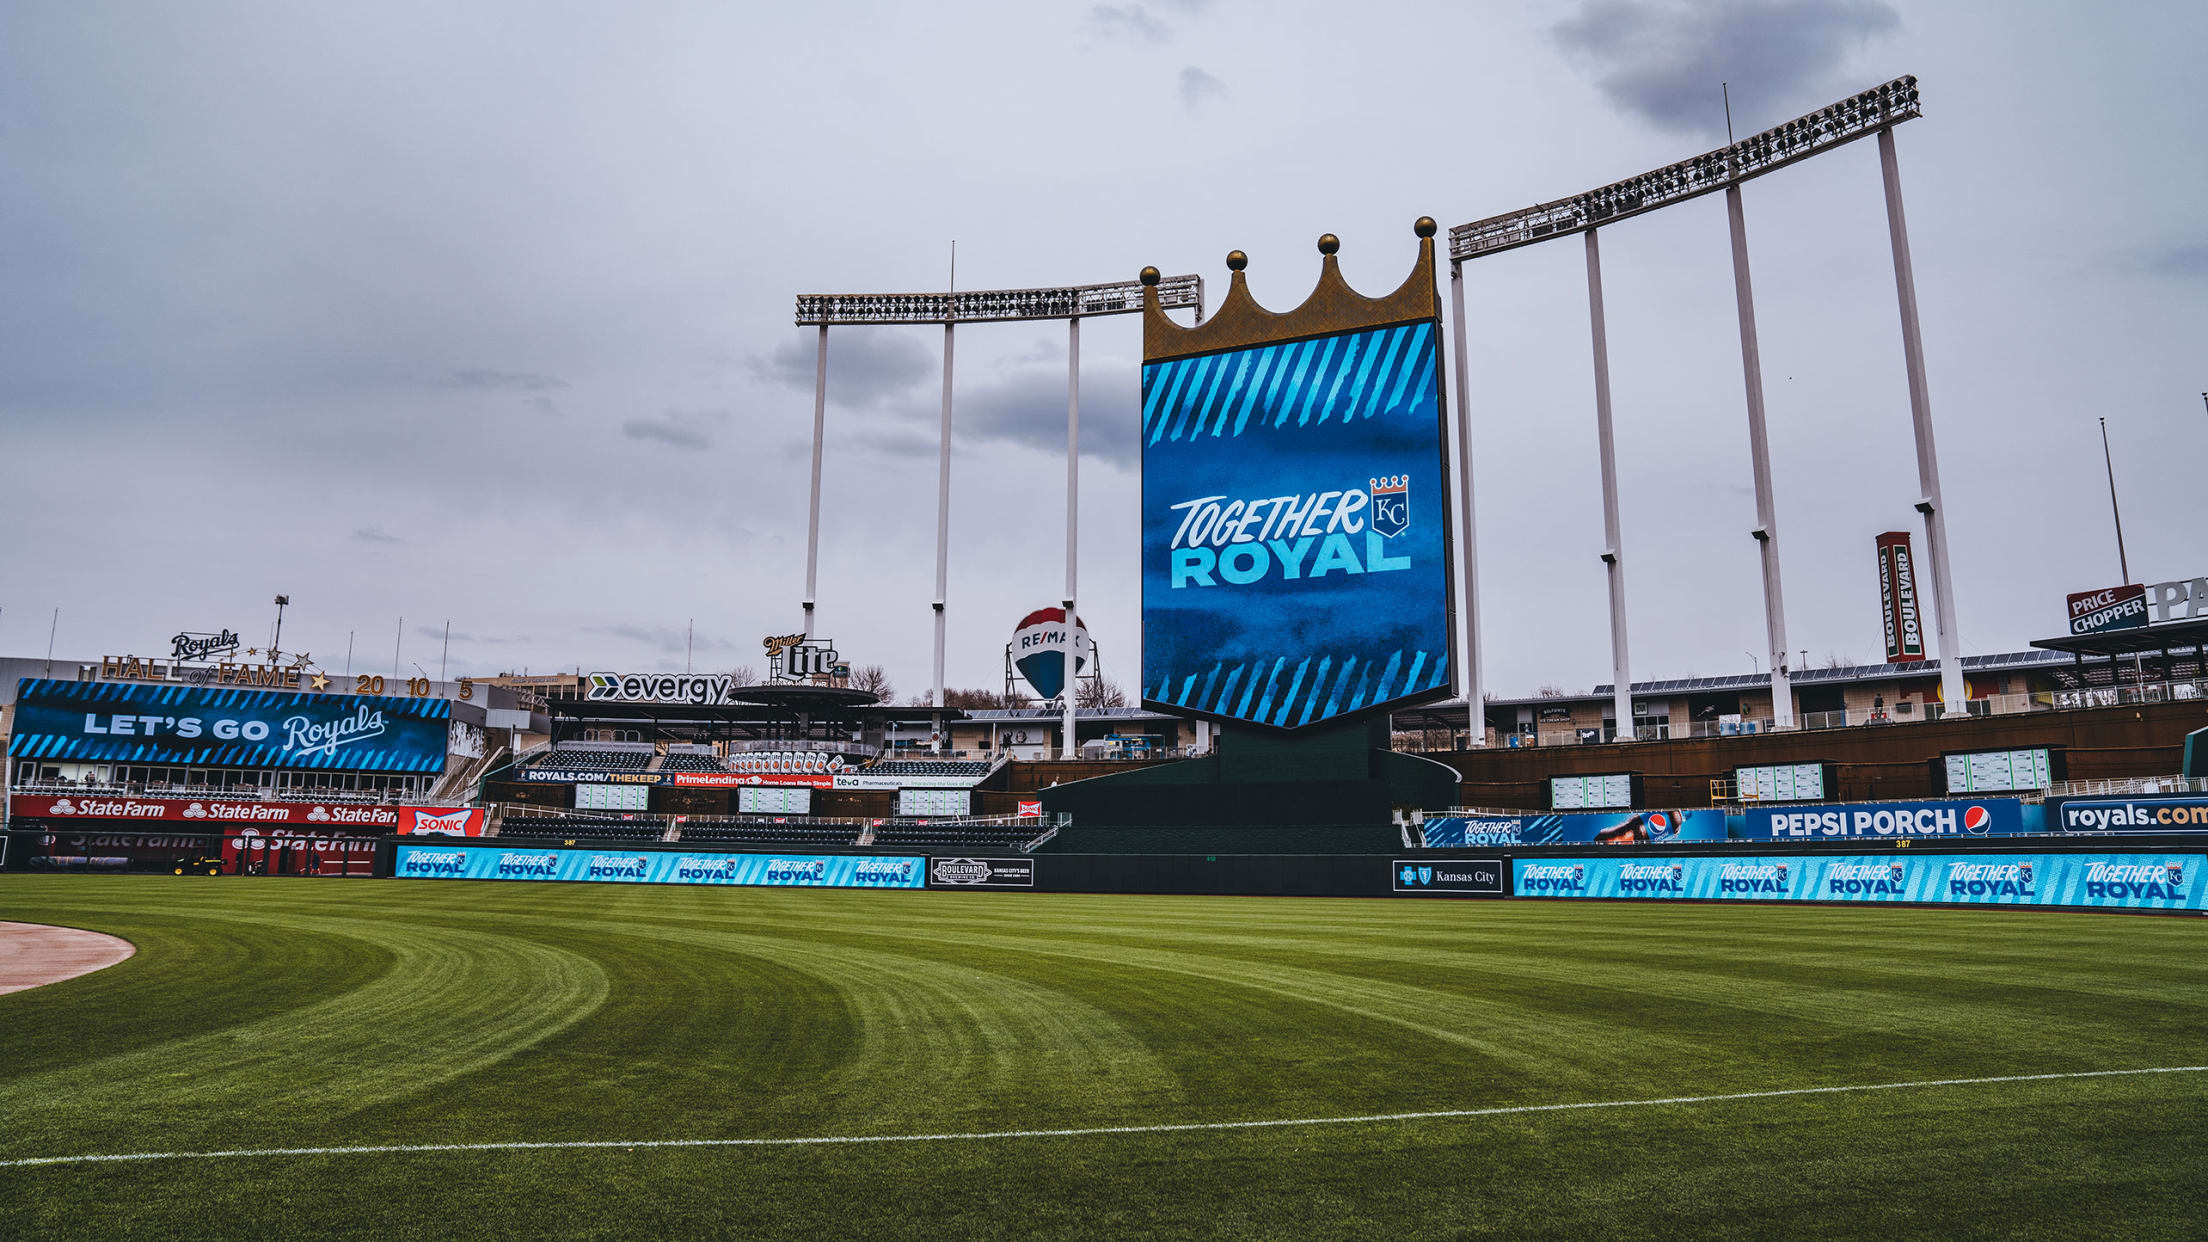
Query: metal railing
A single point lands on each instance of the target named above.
(2129, 785)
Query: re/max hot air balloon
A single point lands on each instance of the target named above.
(1037, 650)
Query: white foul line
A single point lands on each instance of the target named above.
(1084, 1132)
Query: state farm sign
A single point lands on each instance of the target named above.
(370, 820)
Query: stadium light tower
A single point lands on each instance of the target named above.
(1072, 303)
(1872, 112)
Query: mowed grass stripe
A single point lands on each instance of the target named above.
(749, 1013)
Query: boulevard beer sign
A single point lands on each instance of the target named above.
(1897, 598)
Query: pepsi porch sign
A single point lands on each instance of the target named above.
(1875, 820)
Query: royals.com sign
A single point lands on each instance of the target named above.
(2129, 814)
(436, 862)
(2111, 881)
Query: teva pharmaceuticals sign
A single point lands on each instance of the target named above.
(1897, 598)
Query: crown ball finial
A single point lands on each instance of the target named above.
(1236, 260)
(1151, 276)
(1425, 227)
(1328, 243)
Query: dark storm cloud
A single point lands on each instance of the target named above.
(375, 534)
(1199, 88)
(662, 638)
(865, 365)
(2178, 260)
(1128, 24)
(687, 429)
(461, 636)
(1664, 59)
(501, 381)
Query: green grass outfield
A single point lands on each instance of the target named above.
(263, 1013)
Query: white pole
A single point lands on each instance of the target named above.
(1952, 689)
(1613, 556)
(1467, 544)
(943, 528)
(812, 524)
(1759, 457)
(1068, 748)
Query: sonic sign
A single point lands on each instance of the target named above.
(1295, 524)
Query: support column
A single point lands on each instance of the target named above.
(1613, 556)
(1069, 747)
(1952, 689)
(1468, 558)
(812, 522)
(1766, 532)
(943, 533)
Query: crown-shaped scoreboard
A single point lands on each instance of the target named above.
(1289, 578)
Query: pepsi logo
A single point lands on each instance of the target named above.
(1658, 820)
(1976, 819)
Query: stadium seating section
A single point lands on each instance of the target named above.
(931, 836)
(691, 763)
(592, 759)
(771, 834)
(976, 768)
(580, 829)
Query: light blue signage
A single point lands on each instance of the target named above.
(2113, 881)
(521, 862)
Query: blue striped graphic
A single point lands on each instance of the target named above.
(1336, 639)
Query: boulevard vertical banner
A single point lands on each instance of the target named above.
(1897, 598)
(1295, 505)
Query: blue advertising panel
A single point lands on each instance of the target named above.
(126, 722)
(1295, 529)
(2113, 881)
(1600, 827)
(658, 867)
(1873, 820)
(2142, 814)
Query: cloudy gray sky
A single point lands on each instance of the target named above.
(482, 312)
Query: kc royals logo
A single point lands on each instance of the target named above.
(1391, 505)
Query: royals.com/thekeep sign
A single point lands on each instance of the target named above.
(106, 721)
(1295, 528)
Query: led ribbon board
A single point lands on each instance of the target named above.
(1295, 505)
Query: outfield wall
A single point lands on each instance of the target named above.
(2144, 877)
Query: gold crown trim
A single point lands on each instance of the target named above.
(1332, 307)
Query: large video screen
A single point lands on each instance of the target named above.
(203, 726)
(1295, 529)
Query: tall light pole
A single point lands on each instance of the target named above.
(276, 644)
(1069, 302)
(2123, 562)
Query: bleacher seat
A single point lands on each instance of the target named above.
(770, 834)
(592, 759)
(682, 762)
(541, 826)
(976, 768)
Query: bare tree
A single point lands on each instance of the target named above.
(1101, 692)
(744, 675)
(1550, 692)
(874, 679)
